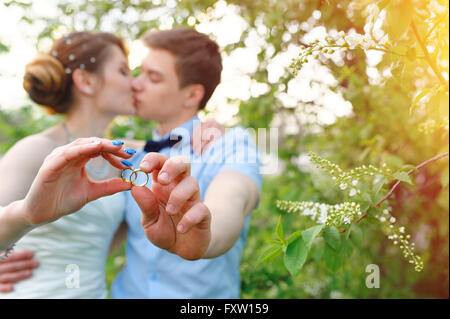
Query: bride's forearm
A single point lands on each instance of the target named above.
(13, 225)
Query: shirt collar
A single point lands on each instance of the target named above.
(185, 130)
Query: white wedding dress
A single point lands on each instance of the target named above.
(72, 252)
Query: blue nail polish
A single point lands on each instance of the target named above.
(117, 142)
(126, 163)
(129, 151)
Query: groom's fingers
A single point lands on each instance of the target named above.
(186, 190)
(169, 169)
(16, 276)
(6, 288)
(152, 161)
(148, 204)
(173, 169)
(106, 188)
(198, 215)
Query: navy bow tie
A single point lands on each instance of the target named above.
(154, 146)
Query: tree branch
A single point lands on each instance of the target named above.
(427, 55)
(398, 182)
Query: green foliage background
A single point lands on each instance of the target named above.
(381, 129)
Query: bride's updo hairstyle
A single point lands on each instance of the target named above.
(48, 78)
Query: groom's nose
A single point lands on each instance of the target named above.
(136, 84)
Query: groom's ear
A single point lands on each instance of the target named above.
(194, 95)
(84, 81)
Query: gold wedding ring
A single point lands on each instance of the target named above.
(134, 173)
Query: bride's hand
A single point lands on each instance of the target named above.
(180, 191)
(62, 186)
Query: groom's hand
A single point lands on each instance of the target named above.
(173, 214)
(17, 267)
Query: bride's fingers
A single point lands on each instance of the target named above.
(106, 188)
(114, 160)
(76, 153)
(186, 190)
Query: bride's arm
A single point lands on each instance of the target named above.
(13, 225)
(57, 190)
(19, 167)
(61, 187)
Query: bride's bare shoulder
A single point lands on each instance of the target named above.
(33, 148)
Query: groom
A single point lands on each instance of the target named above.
(178, 76)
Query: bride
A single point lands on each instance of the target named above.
(86, 77)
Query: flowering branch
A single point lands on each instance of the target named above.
(398, 182)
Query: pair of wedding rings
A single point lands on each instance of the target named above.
(134, 176)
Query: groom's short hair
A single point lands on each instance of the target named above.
(198, 59)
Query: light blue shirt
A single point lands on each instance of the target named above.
(151, 272)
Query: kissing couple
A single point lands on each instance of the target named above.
(186, 228)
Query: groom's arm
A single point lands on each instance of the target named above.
(119, 237)
(230, 197)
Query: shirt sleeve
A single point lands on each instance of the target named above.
(237, 151)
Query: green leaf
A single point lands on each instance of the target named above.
(356, 235)
(367, 197)
(317, 252)
(295, 256)
(364, 206)
(3, 48)
(418, 98)
(274, 242)
(309, 234)
(293, 237)
(408, 167)
(347, 248)
(136, 71)
(333, 258)
(378, 186)
(298, 248)
(375, 194)
(438, 104)
(332, 237)
(399, 16)
(269, 254)
(403, 177)
(279, 230)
